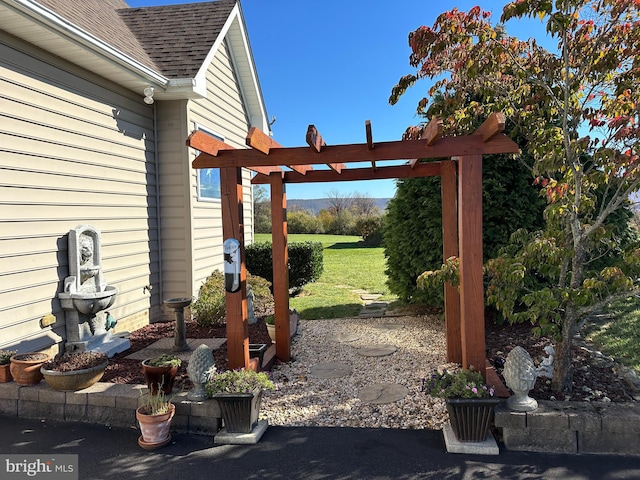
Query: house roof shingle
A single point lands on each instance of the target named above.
(173, 40)
(178, 38)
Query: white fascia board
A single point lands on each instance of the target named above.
(57, 23)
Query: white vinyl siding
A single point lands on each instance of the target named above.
(74, 149)
(224, 113)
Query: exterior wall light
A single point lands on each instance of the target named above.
(148, 95)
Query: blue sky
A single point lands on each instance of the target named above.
(333, 64)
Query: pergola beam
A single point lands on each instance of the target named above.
(334, 154)
(430, 169)
(262, 142)
(492, 126)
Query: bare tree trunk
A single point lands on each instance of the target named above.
(562, 381)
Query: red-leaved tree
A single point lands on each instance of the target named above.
(578, 108)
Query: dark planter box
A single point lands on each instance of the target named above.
(256, 350)
(471, 417)
(239, 410)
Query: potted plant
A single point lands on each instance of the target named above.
(469, 402)
(161, 370)
(154, 417)
(239, 393)
(270, 320)
(5, 365)
(74, 371)
(25, 367)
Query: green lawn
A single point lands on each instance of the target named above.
(347, 266)
(617, 334)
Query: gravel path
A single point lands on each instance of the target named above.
(304, 399)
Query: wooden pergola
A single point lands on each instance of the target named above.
(432, 155)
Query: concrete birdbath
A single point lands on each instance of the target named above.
(180, 333)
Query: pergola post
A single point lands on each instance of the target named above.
(470, 247)
(280, 255)
(236, 302)
(450, 249)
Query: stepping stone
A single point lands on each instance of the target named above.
(389, 326)
(330, 370)
(383, 393)
(343, 338)
(377, 350)
(378, 305)
(370, 296)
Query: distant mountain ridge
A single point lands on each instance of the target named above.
(316, 204)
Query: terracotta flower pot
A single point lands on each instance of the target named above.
(5, 373)
(74, 380)
(154, 428)
(157, 376)
(25, 367)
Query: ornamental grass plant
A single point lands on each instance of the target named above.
(461, 384)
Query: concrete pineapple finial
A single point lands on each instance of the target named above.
(201, 365)
(520, 375)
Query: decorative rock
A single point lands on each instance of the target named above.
(383, 393)
(330, 370)
(389, 326)
(201, 365)
(377, 350)
(303, 399)
(520, 376)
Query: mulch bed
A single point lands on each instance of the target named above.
(125, 370)
(591, 374)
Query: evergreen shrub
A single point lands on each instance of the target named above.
(306, 262)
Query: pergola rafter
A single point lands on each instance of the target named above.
(449, 157)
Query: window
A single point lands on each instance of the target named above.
(209, 178)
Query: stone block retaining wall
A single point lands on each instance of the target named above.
(104, 404)
(572, 427)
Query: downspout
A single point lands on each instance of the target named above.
(158, 221)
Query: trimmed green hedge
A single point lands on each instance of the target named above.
(306, 262)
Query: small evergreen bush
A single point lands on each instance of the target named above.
(210, 307)
(306, 262)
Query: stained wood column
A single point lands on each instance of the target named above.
(470, 247)
(450, 249)
(280, 266)
(236, 302)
